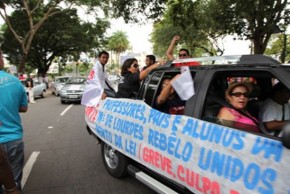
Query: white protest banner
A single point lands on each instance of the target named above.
(202, 156)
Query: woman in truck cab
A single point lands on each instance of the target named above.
(235, 114)
(131, 77)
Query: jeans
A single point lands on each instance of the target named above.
(15, 154)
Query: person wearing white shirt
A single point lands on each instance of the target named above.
(275, 111)
(97, 82)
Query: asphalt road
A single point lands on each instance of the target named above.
(67, 159)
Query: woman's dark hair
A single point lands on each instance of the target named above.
(127, 64)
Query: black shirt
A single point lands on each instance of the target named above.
(172, 106)
(129, 85)
(31, 82)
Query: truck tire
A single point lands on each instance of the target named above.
(115, 162)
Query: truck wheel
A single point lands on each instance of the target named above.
(62, 101)
(115, 162)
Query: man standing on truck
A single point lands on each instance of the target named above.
(97, 82)
(182, 54)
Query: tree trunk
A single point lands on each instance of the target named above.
(22, 63)
(260, 41)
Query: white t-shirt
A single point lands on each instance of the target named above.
(96, 84)
(271, 110)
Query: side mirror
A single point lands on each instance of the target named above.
(286, 135)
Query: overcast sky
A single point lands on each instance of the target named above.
(139, 36)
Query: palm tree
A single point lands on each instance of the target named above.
(118, 43)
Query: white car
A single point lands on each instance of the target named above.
(58, 84)
(73, 89)
(39, 89)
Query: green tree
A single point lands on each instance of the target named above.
(195, 30)
(255, 20)
(31, 10)
(135, 10)
(61, 36)
(118, 43)
(276, 46)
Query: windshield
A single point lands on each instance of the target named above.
(61, 79)
(76, 80)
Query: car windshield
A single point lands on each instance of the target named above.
(76, 80)
(61, 79)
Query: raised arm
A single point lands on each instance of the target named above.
(166, 91)
(146, 71)
(169, 52)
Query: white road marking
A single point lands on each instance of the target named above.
(28, 166)
(65, 110)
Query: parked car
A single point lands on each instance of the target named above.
(73, 89)
(58, 83)
(194, 152)
(39, 89)
(115, 80)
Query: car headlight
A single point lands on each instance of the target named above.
(63, 90)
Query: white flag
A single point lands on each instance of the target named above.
(183, 85)
(95, 86)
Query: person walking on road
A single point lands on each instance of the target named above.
(6, 175)
(13, 99)
(29, 85)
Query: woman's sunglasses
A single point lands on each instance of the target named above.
(135, 65)
(239, 94)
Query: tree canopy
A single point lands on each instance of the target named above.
(36, 14)
(118, 43)
(195, 29)
(61, 36)
(276, 47)
(255, 20)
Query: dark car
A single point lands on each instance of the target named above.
(73, 89)
(194, 152)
